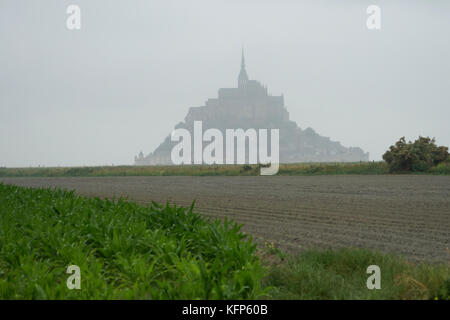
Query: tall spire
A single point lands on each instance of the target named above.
(243, 77)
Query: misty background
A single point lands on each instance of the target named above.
(99, 95)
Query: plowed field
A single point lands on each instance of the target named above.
(404, 214)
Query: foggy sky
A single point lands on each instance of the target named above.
(119, 85)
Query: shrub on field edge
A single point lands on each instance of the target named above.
(419, 155)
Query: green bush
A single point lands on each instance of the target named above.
(419, 155)
(124, 250)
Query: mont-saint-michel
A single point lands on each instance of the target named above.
(250, 106)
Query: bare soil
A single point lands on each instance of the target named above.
(403, 214)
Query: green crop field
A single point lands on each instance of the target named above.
(129, 251)
(213, 170)
(123, 250)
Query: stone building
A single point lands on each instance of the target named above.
(249, 105)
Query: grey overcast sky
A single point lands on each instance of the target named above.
(101, 94)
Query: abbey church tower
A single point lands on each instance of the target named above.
(243, 77)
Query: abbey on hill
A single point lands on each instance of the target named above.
(251, 106)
